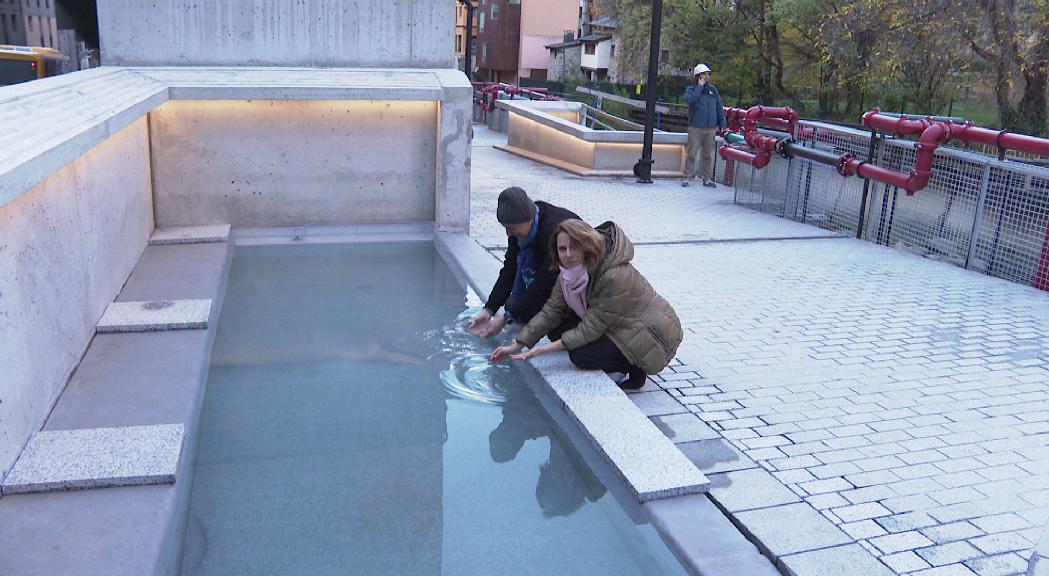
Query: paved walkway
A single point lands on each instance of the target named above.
(868, 401)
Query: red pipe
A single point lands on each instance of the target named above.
(931, 136)
(759, 160)
(777, 117)
(969, 132)
(735, 118)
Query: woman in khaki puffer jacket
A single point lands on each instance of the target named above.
(624, 325)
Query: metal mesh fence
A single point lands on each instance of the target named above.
(976, 211)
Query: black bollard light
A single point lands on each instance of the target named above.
(643, 168)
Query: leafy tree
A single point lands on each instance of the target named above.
(1013, 37)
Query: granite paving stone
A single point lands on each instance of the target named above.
(657, 404)
(791, 528)
(943, 533)
(950, 570)
(748, 489)
(96, 458)
(713, 456)
(155, 316)
(848, 559)
(948, 553)
(1002, 565)
(681, 428)
(899, 542)
(904, 562)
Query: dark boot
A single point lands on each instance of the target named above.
(635, 379)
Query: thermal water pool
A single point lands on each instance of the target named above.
(352, 426)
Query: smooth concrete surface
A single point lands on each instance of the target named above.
(539, 131)
(314, 33)
(154, 316)
(403, 232)
(455, 133)
(97, 458)
(704, 539)
(51, 122)
(66, 247)
(280, 163)
(135, 379)
(56, 120)
(190, 235)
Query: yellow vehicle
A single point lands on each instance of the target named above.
(24, 63)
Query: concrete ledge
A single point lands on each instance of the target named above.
(402, 232)
(190, 235)
(650, 465)
(576, 169)
(704, 540)
(543, 113)
(53, 121)
(130, 379)
(97, 458)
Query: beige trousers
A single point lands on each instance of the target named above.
(700, 140)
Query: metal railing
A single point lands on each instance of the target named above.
(977, 211)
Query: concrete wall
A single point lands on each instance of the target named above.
(66, 247)
(264, 163)
(362, 33)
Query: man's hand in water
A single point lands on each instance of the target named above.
(479, 325)
(495, 326)
(503, 352)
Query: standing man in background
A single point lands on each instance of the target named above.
(706, 114)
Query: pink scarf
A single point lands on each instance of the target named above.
(573, 286)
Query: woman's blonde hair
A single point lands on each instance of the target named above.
(584, 238)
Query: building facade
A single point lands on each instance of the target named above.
(461, 13)
(544, 22)
(512, 36)
(28, 23)
(498, 38)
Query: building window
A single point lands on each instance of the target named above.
(590, 49)
(480, 26)
(484, 52)
(495, 11)
(612, 51)
(458, 43)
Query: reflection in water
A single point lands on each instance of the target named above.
(564, 482)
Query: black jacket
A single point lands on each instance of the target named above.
(524, 307)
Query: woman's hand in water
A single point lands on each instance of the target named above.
(503, 352)
(537, 350)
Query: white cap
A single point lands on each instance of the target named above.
(700, 68)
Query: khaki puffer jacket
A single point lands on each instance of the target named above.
(621, 304)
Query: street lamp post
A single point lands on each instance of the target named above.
(643, 168)
(469, 36)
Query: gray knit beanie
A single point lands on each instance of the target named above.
(514, 207)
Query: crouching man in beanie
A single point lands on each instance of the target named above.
(527, 277)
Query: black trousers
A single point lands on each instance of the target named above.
(601, 354)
